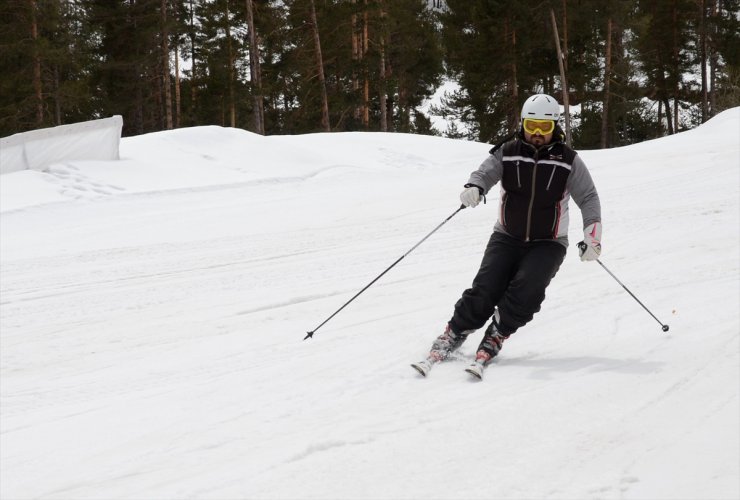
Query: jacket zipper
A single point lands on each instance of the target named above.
(551, 176)
(531, 200)
(503, 209)
(518, 178)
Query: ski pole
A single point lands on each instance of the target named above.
(582, 246)
(310, 334)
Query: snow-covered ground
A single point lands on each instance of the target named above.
(154, 309)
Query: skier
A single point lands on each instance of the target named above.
(538, 175)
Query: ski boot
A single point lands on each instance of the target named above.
(442, 347)
(489, 347)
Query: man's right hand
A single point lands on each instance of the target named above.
(470, 197)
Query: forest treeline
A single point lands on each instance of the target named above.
(633, 70)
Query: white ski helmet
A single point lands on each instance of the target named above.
(541, 107)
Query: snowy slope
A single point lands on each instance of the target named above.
(153, 312)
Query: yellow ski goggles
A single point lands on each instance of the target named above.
(544, 127)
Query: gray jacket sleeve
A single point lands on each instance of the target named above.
(582, 190)
(489, 172)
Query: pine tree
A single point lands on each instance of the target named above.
(663, 40)
(724, 44)
(165, 65)
(45, 58)
(255, 71)
(223, 94)
(128, 77)
(273, 32)
(413, 61)
(498, 52)
(313, 21)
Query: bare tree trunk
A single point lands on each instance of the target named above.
(178, 107)
(232, 104)
(37, 88)
(357, 53)
(675, 66)
(565, 35)
(193, 64)
(154, 118)
(320, 67)
(607, 80)
(703, 58)
(366, 92)
(512, 113)
(256, 72)
(178, 101)
(713, 62)
(563, 79)
(675, 113)
(662, 91)
(383, 97)
(139, 107)
(389, 108)
(669, 118)
(57, 98)
(166, 67)
(138, 74)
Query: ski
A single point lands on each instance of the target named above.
(425, 366)
(476, 370)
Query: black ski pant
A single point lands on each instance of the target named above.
(512, 278)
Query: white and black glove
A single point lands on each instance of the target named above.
(590, 247)
(471, 196)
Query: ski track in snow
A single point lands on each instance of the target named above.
(152, 335)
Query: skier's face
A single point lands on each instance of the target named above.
(537, 139)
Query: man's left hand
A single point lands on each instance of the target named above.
(590, 247)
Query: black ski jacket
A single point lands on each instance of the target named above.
(536, 186)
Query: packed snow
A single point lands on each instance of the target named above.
(154, 310)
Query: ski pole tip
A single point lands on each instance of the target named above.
(309, 335)
(665, 328)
